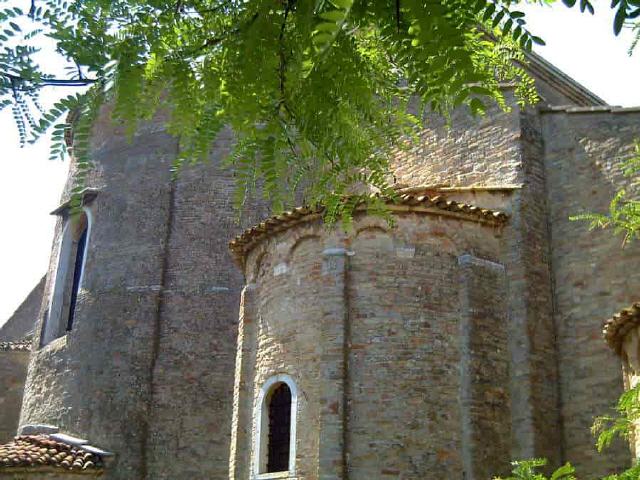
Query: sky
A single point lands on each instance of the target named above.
(581, 45)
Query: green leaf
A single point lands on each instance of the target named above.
(497, 19)
(619, 19)
(537, 40)
(507, 27)
(564, 472)
(327, 27)
(488, 13)
(333, 15)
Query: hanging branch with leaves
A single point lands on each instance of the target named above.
(316, 91)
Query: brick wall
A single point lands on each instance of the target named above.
(505, 149)
(370, 325)
(190, 420)
(593, 275)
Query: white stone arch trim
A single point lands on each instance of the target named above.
(83, 271)
(52, 326)
(261, 427)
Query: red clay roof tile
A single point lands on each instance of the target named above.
(619, 325)
(40, 451)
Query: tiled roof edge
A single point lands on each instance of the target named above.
(35, 453)
(407, 202)
(23, 345)
(619, 325)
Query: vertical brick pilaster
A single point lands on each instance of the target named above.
(484, 369)
(239, 462)
(333, 365)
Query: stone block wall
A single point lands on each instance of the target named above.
(486, 432)
(467, 151)
(14, 358)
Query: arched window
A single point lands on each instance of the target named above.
(276, 427)
(279, 411)
(68, 276)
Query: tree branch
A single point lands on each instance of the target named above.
(212, 42)
(56, 82)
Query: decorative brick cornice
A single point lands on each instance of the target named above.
(617, 327)
(404, 203)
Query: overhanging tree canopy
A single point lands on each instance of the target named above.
(316, 91)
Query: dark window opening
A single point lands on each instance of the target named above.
(77, 274)
(279, 429)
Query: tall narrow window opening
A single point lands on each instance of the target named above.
(279, 429)
(68, 275)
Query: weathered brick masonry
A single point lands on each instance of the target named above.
(395, 339)
(584, 150)
(443, 347)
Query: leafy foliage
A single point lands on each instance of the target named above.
(316, 92)
(632, 473)
(626, 12)
(607, 428)
(624, 209)
(530, 470)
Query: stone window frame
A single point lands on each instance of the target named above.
(261, 428)
(55, 322)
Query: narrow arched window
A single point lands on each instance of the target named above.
(67, 281)
(275, 418)
(279, 408)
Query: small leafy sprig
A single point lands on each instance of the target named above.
(624, 209)
(530, 470)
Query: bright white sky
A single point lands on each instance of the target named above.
(582, 46)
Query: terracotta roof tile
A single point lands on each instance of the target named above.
(40, 451)
(405, 202)
(19, 346)
(619, 325)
